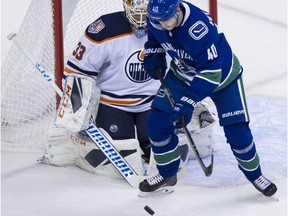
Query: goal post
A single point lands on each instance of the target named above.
(59, 47)
(50, 30)
(213, 10)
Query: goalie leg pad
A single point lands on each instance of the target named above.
(67, 149)
(91, 158)
(203, 140)
(59, 148)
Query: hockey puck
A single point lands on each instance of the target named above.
(149, 210)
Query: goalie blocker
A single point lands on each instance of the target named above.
(79, 103)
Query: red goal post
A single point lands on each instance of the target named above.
(50, 30)
(213, 10)
(59, 50)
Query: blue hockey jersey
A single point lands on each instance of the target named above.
(201, 55)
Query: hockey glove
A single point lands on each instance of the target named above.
(182, 112)
(154, 59)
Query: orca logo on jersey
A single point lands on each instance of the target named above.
(134, 67)
(198, 30)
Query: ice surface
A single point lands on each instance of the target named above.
(257, 31)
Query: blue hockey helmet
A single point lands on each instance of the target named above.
(162, 10)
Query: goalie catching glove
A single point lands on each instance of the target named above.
(79, 103)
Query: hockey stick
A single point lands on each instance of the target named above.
(94, 133)
(207, 169)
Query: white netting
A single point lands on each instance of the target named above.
(28, 101)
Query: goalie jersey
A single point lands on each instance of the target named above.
(111, 53)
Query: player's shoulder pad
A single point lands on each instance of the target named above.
(108, 26)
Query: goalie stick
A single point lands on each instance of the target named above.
(206, 169)
(93, 132)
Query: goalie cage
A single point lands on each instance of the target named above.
(28, 103)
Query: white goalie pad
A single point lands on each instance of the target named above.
(78, 104)
(201, 129)
(66, 149)
(59, 148)
(203, 140)
(91, 159)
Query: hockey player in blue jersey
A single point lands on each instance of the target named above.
(203, 65)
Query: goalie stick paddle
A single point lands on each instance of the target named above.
(94, 133)
(206, 169)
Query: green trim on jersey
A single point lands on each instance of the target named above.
(233, 73)
(211, 76)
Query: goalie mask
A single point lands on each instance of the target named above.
(135, 11)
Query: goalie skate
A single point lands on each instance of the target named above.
(157, 185)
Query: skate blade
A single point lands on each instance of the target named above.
(159, 192)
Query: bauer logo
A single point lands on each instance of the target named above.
(234, 113)
(134, 67)
(198, 30)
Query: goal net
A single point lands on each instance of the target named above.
(28, 103)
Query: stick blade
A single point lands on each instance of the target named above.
(208, 170)
(11, 35)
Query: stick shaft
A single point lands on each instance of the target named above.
(40, 69)
(207, 170)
